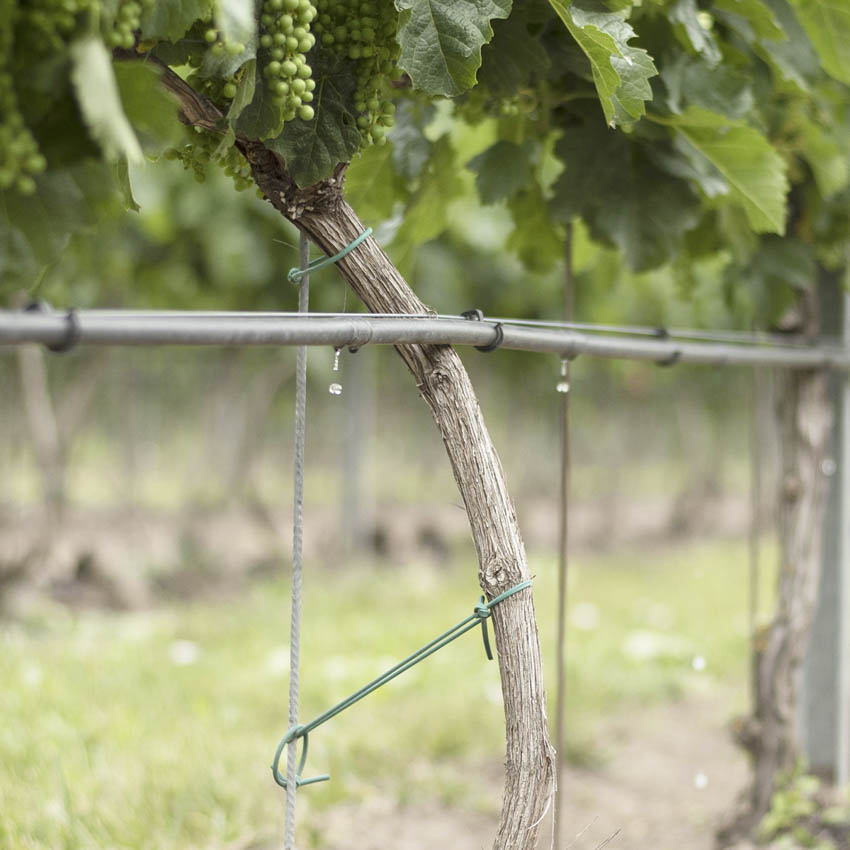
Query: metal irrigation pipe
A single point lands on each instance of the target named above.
(91, 327)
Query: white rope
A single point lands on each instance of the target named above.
(297, 550)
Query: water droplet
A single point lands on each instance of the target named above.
(563, 386)
(336, 359)
(698, 663)
(828, 467)
(335, 389)
(700, 781)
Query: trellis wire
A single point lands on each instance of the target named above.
(356, 330)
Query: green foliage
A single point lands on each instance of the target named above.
(621, 72)
(802, 815)
(673, 129)
(441, 41)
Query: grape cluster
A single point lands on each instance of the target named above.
(286, 38)
(197, 154)
(45, 26)
(127, 22)
(20, 159)
(365, 31)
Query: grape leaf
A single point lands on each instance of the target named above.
(149, 108)
(372, 186)
(65, 201)
(686, 14)
(426, 215)
(411, 148)
(262, 118)
(756, 173)
(121, 174)
(245, 88)
(825, 157)
(794, 59)
(535, 239)
(719, 88)
(621, 72)
(501, 171)
(312, 149)
(235, 20)
(441, 41)
(625, 200)
(169, 19)
(99, 100)
(827, 23)
(758, 16)
(511, 57)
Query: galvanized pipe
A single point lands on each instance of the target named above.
(137, 328)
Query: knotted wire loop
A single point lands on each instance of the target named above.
(295, 274)
(297, 731)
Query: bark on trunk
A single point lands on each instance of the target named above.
(446, 388)
(329, 221)
(770, 734)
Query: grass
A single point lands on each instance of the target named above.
(156, 729)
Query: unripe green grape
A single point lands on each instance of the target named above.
(305, 71)
(306, 113)
(234, 48)
(298, 86)
(211, 36)
(288, 68)
(278, 54)
(229, 91)
(25, 185)
(266, 40)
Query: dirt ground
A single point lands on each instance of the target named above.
(671, 773)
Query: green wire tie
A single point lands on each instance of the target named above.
(295, 274)
(480, 614)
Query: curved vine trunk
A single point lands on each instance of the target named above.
(770, 735)
(444, 384)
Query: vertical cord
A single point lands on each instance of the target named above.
(297, 549)
(755, 520)
(561, 661)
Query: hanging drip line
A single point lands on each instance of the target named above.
(480, 614)
(295, 274)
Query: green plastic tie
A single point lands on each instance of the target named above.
(480, 614)
(295, 274)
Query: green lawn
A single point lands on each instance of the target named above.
(156, 729)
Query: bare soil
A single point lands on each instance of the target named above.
(671, 774)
